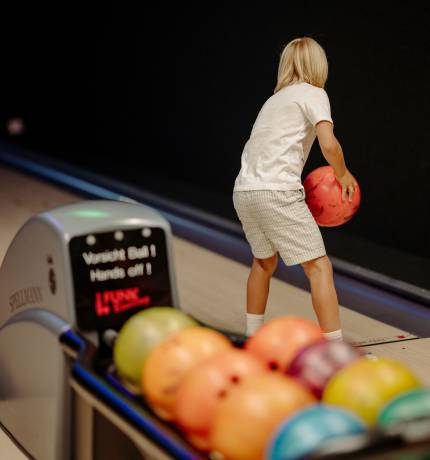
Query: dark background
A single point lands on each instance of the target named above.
(165, 98)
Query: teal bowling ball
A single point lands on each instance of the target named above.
(406, 406)
(309, 429)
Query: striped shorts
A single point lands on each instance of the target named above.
(279, 221)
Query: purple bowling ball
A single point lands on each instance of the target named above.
(317, 363)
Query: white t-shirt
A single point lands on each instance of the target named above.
(281, 139)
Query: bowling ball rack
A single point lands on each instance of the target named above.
(110, 420)
(103, 405)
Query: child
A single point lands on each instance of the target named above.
(268, 195)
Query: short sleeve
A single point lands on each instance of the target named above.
(316, 107)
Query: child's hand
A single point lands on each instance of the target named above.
(348, 185)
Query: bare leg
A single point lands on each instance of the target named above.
(324, 298)
(258, 285)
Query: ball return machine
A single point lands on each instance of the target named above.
(71, 277)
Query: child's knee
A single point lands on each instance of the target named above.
(267, 265)
(317, 266)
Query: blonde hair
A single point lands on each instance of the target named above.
(302, 60)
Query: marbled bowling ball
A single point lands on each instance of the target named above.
(316, 364)
(308, 430)
(324, 198)
(410, 405)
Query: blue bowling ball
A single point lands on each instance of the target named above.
(308, 430)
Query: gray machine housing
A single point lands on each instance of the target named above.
(35, 395)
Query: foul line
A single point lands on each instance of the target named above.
(383, 343)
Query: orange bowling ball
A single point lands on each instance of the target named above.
(170, 361)
(245, 420)
(205, 386)
(279, 340)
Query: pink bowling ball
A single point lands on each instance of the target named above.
(324, 198)
(317, 363)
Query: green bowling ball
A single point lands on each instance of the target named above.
(406, 406)
(139, 335)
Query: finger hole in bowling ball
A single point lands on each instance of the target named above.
(273, 365)
(222, 394)
(235, 379)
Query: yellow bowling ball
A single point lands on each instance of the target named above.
(365, 386)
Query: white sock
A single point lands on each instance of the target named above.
(335, 336)
(253, 322)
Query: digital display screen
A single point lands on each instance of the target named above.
(118, 273)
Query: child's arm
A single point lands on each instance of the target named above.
(333, 153)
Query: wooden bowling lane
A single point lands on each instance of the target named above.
(20, 198)
(211, 286)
